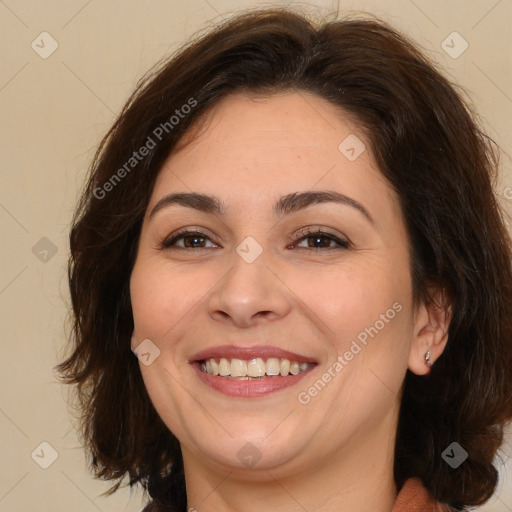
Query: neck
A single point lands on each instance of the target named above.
(358, 477)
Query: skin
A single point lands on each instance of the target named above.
(334, 453)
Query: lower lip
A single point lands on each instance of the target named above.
(249, 388)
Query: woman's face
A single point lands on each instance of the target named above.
(253, 287)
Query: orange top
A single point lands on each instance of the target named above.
(413, 497)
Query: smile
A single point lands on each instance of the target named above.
(256, 368)
(250, 372)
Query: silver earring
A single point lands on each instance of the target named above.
(428, 362)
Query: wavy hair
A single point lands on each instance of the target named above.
(430, 148)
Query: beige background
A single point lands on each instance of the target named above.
(54, 112)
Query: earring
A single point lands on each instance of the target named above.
(428, 362)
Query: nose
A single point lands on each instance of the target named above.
(249, 293)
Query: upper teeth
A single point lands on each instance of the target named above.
(254, 368)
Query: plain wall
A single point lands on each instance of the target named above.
(55, 110)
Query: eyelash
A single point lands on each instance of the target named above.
(302, 235)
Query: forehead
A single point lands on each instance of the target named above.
(267, 146)
(295, 119)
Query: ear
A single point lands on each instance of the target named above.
(430, 332)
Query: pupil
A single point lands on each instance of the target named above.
(316, 239)
(194, 240)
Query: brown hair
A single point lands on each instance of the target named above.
(433, 154)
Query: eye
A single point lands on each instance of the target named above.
(320, 239)
(191, 240)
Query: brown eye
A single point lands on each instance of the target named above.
(191, 240)
(319, 239)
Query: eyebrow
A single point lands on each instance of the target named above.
(285, 205)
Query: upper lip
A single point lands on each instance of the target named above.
(247, 353)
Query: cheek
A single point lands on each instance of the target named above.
(150, 299)
(366, 308)
(162, 296)
(349, 299)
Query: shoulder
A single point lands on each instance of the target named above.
(414, 497)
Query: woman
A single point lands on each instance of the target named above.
(294, 230)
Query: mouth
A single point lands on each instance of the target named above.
(257, 368)
(250, 372)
